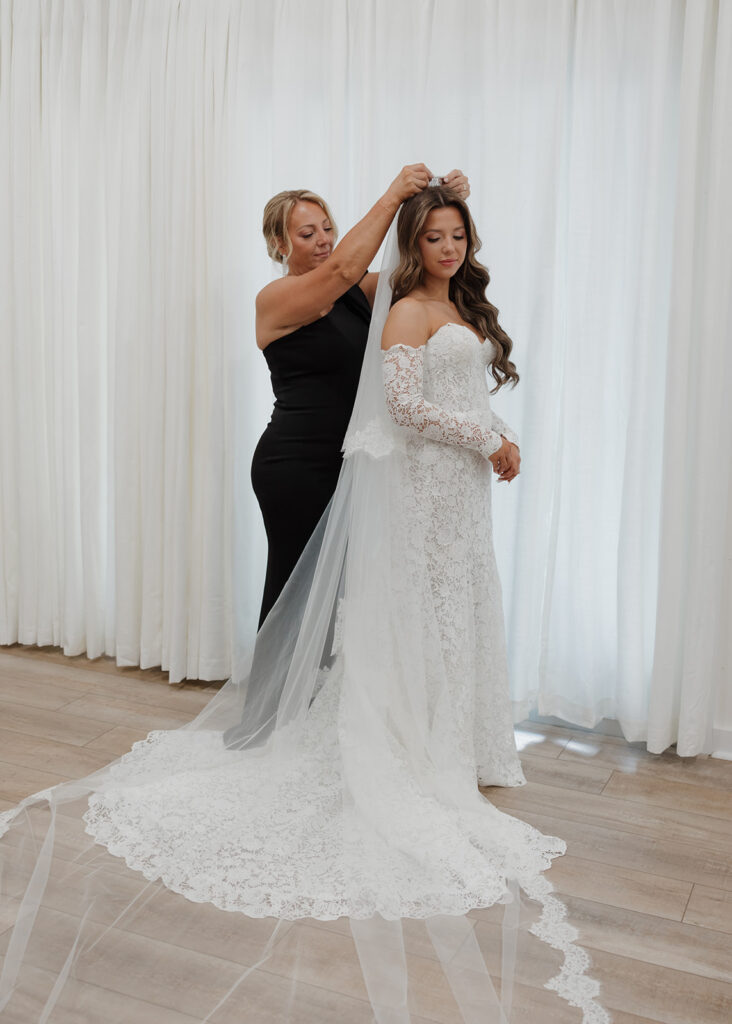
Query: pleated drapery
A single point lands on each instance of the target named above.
(140, 142)
(692, 668)
(115, 487)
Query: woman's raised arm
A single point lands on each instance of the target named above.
(284, 305)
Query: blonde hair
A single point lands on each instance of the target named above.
(277, 215)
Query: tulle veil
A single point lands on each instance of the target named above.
(308, 823)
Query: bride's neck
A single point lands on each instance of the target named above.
(434, 289)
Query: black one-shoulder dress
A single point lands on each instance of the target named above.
(315, 372)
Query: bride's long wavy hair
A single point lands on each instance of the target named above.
(467, 287)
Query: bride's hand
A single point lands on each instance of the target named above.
(506, 461)
(458, 182)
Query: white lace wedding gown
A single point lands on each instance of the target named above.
(439, 392)
(373, 808)
(227, 830)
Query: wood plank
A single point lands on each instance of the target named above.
(710, 908)
(179, 979)
(619, 886)
(51, 725)
(160, 914)
(265, 998)
(71, 849)
(632, 986)
(155, 972)
(65, 758)
(117, 741)
(710, 833)
(103, 664)
(110, 710)
(588, 778)
(613, 752)
(85, 1004)
(54, 656)
(661, 792)
(683, 861)
(165, 917)
(17, 783)
(684, 948)
(38, 669)
(328, 959)
(538, 1006)
(659, 993)
(47, 694)
(541, 740)
(636, 994)
(189, 697)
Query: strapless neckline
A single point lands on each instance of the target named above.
(451, 323)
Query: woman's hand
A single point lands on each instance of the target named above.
(411, 179)
(458, 181)
(506, 461)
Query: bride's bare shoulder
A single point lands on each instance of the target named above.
(408, 323)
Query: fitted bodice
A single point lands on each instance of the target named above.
(315, 371)
(455, 369)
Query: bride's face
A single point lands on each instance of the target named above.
(311, 234)
(443, 242)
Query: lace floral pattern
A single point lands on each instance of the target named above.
(375, 440)
(274, 845)
(277, 837)
(439, 393)
(408, 406)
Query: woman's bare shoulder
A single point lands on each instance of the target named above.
(289, 302)
(409, 303)
(271, 309)
(264, 294)
(408, 323)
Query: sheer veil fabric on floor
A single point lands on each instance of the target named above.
(212, 869)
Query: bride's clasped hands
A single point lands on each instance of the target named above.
(506, 461)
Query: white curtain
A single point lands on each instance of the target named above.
(140, 142)
(692, 668)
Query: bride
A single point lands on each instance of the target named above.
(440, 335)
(348, 789)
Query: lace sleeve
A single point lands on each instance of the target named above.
(408, 407)
(501, 427)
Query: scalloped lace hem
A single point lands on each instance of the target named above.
(572, 983)
(473, 853)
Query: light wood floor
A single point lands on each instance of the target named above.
(647, 875)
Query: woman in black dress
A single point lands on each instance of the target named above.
(312, 326)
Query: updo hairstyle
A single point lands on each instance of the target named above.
(277, 215)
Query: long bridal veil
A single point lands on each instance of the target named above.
(308, 848)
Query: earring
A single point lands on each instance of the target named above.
(284, 263)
